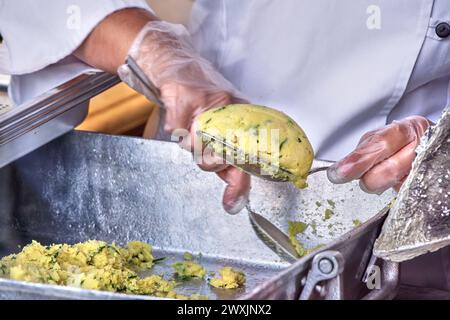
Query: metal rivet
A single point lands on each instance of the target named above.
(326, 266)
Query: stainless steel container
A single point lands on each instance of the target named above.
(91, 186)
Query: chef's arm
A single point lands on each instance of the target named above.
(188, 84)
(108, 44)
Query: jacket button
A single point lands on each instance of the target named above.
(443, 30)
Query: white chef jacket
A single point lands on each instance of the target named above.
(338, 67)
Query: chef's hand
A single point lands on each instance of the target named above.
(188, 84)
(383, 157)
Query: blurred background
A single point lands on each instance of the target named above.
(120, 110)
(177, 11)
(4, 81)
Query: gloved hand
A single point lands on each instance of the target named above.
(383, 157)
(189, 85)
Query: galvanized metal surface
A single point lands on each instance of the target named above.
(356, 249)
(420, 219)
(89, 186)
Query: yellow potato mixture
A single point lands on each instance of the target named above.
(189, 269)
(98, 265)
(90, 265)
(230, 279)
(262, 132)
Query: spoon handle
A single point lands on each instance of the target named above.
(318, 169)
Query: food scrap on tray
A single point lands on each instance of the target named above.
(187, 270)
(97, 265)
(230, 279)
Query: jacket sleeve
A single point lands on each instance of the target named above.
(37, 34)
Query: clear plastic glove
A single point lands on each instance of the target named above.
(383, 157)
(189, 85)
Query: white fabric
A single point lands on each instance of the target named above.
(327, 65)
(40, 36)
(315, 60)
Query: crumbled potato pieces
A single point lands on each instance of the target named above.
(230, 279)
(93, 264)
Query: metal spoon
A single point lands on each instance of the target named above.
(251, 168)
(255, 167)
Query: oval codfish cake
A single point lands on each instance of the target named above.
(276, 137)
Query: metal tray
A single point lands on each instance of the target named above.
(91, 186)
(26, 127)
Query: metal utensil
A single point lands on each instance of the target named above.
(153, 92)
(325, 266)
(272, 236)
(254, 164)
